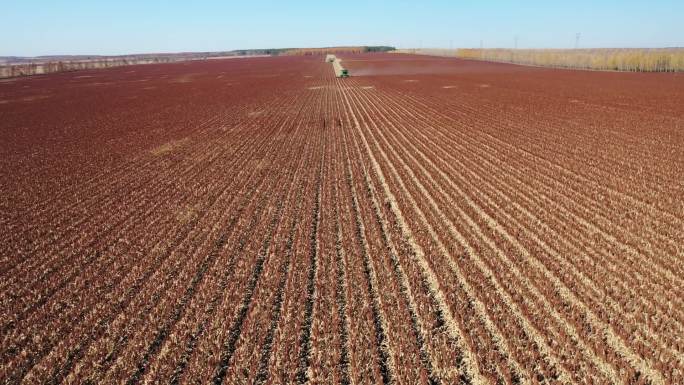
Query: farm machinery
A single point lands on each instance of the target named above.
(340, 71)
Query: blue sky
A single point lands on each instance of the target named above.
(43, 27)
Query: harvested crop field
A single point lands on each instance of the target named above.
(428, 221)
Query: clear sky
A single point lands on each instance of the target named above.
(44, 27)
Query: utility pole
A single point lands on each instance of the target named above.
(515, 44)
(577, 38)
